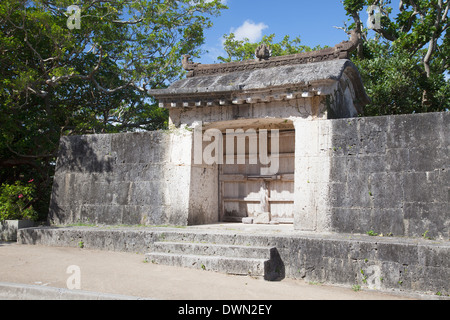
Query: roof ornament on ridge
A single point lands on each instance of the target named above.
(263, 52)
(187, 64)
(262, 61)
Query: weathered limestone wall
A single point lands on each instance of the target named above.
(386, 174)
(133, 178)
(391, 175)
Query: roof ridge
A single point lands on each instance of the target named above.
(339, 51)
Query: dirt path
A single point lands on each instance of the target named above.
(128, 274)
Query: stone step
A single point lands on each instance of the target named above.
(231, 259)
(209, 249)
(229, 265)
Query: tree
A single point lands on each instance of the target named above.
(57, 79)
(421, 31)
(394, 81)
(239, 50)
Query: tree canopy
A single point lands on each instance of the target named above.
(77, 67)
(406, 65)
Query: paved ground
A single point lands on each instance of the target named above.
(127, 274)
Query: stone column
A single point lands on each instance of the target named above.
(312, 172)
(177, 176)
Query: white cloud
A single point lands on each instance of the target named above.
(249, 30)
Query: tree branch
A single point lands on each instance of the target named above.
(18, 162)
(444, 15)
(30, 156)
(433, 41)
(128, 22)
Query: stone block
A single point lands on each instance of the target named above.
(373, 163)
(247, 220)
(337, 195)
(99, 214)
(372, 135)
(152, 215)
(142, 147)
(335, 249)
(388, 221)
(386, 190)
(362, 250)
(351, 220)
(436, 256)
(427, 158)
(403, 254)
(339, 169)
(406, 131)
(85, 154)
(134, 215)
(358, 193)
(9, 228)
(420, 187)
(262, 218)
(427, 218)
(397, 160)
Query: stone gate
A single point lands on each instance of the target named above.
(275, 140)
(353, 174)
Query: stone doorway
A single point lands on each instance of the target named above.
(246, 190)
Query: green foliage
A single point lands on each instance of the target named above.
(58, 81)
(356, 287)
(240, 50)
(353, 5)
(16, 201)
(395, 82)
(405, 67)
(95, 79)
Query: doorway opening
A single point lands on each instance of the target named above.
(247, 189)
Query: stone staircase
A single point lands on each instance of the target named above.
(249, 260)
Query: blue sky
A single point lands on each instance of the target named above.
(313, 21)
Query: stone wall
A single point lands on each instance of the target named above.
(391, 175)
(130, 179)
(388, 175)
(411, 265)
